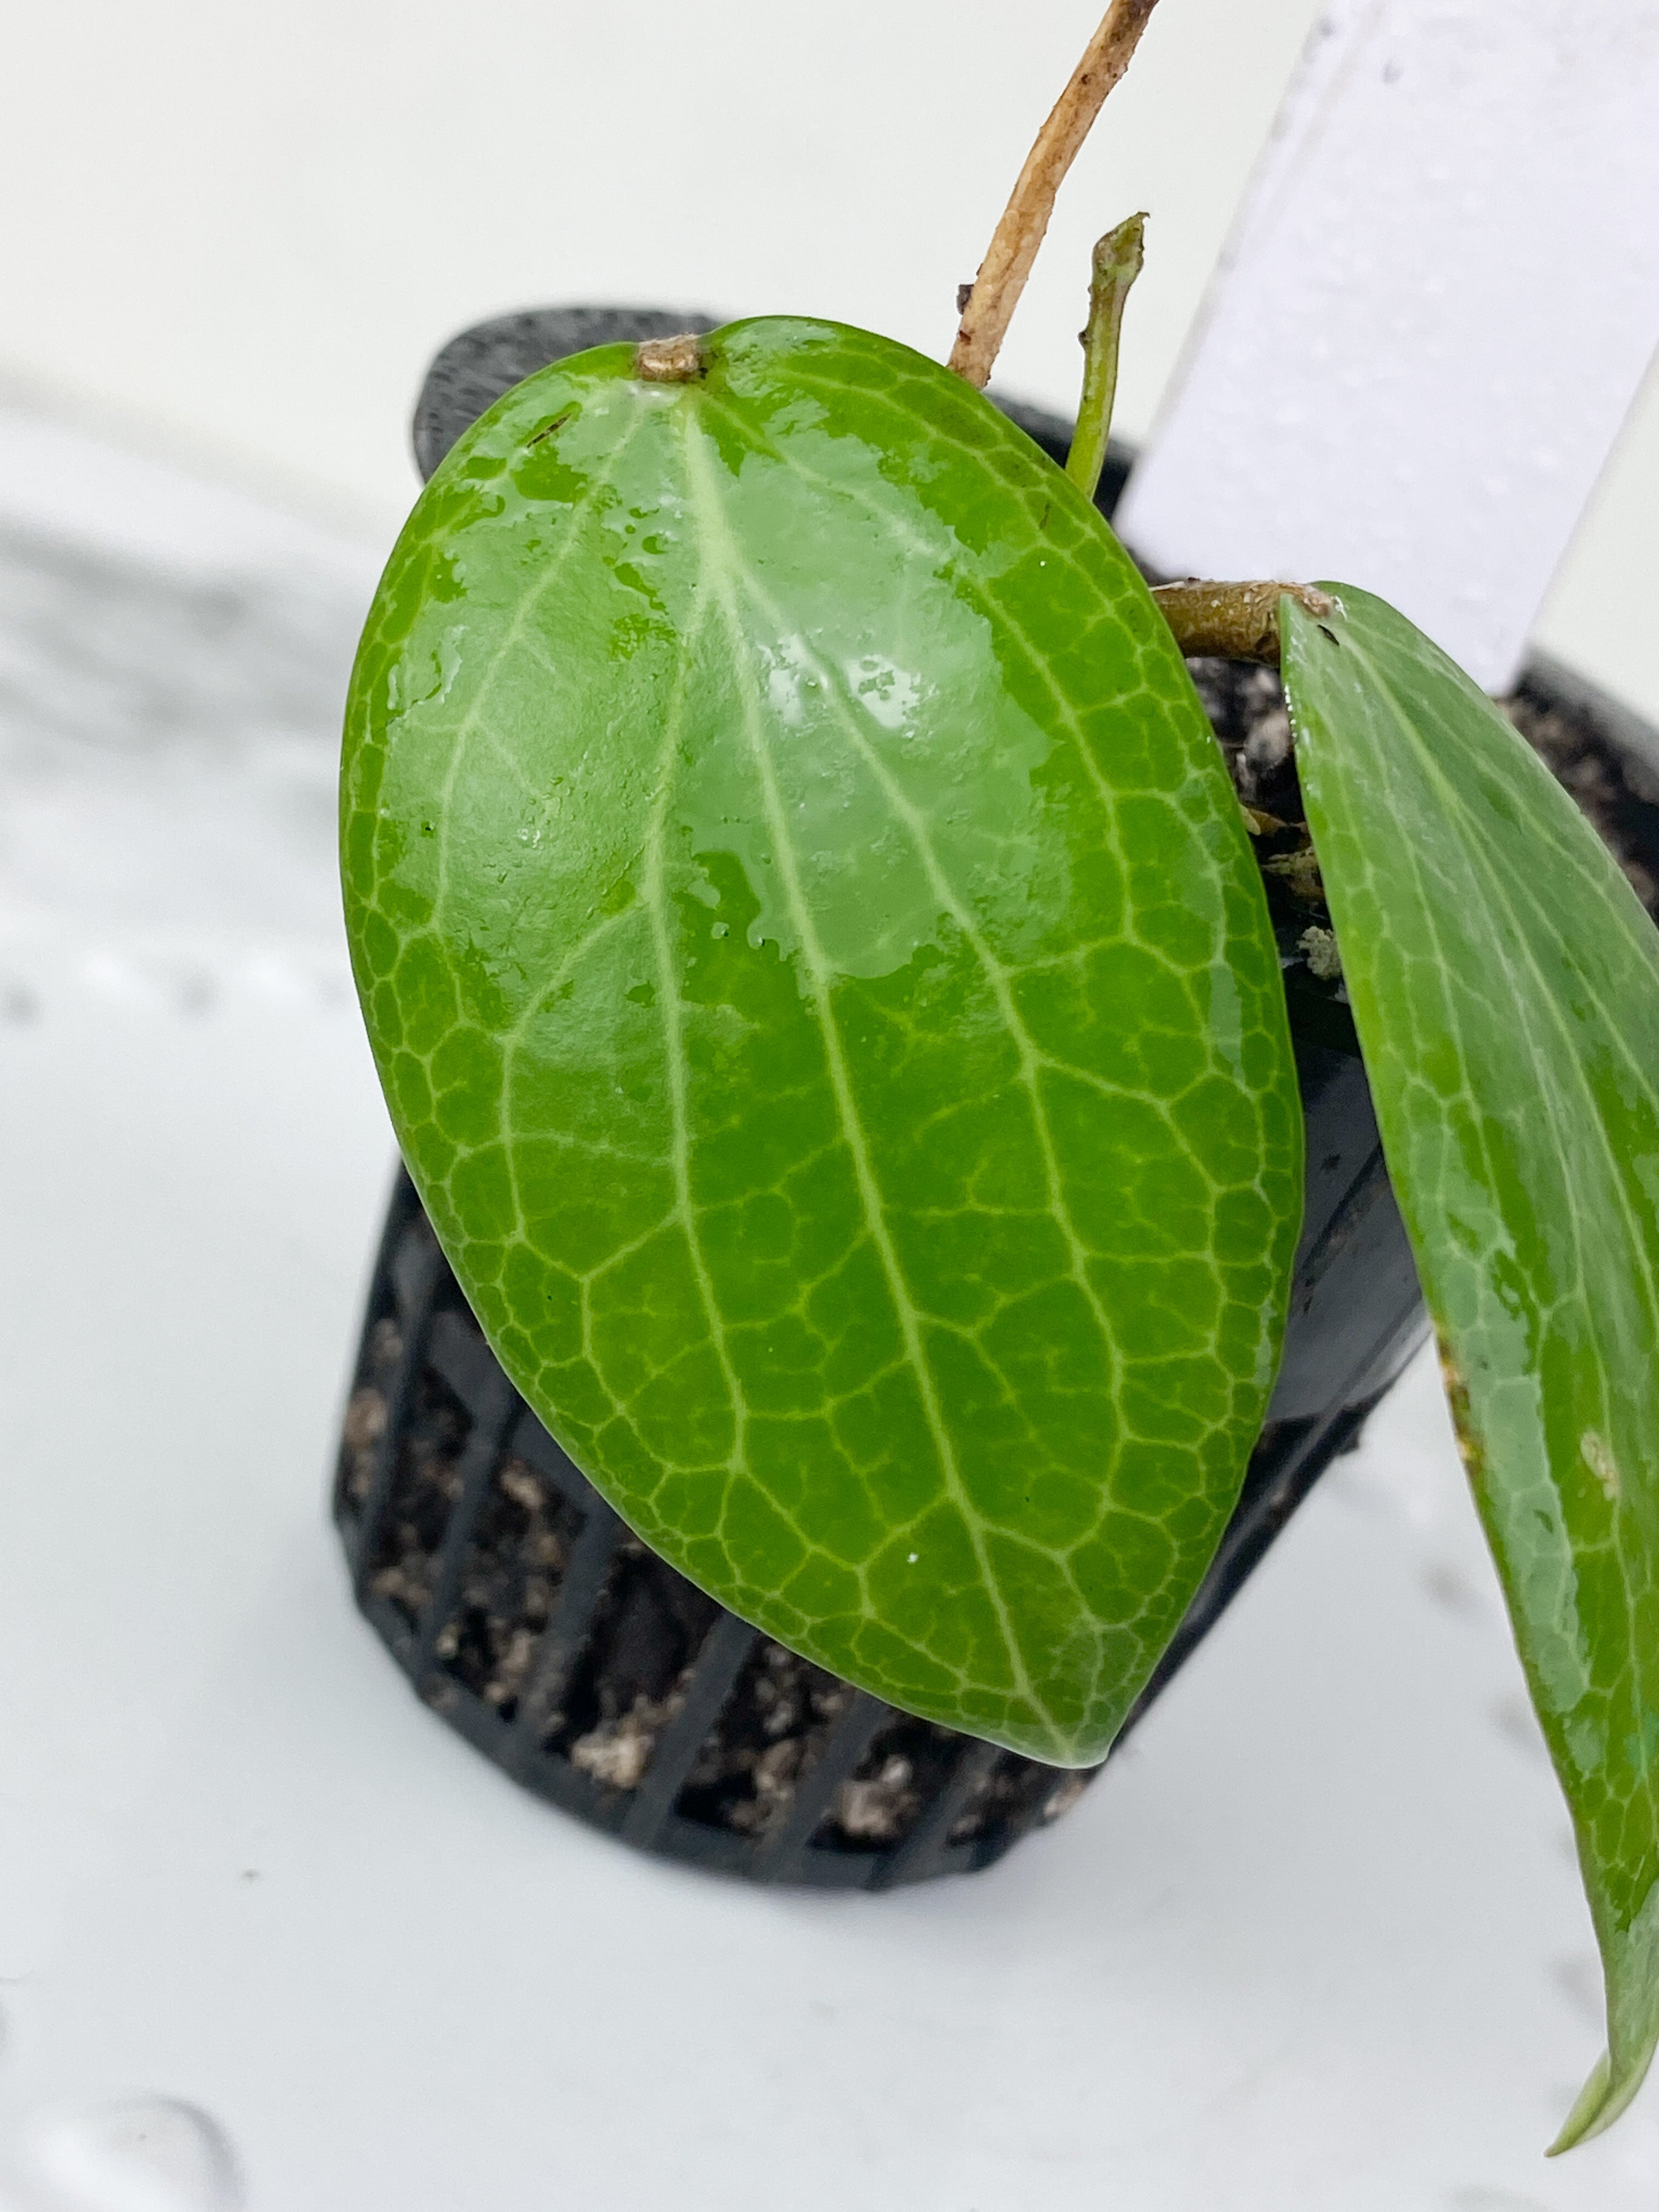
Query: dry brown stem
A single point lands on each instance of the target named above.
(670, 361)
(1007, 264)
(1232, 621)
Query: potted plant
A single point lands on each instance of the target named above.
(852, 1048)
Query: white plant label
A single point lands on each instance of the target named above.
(1436, 309)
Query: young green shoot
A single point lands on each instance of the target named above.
(1117, 262)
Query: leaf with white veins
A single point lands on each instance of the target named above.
(828, 1008)
(1505, 987)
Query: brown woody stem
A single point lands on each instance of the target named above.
(670, 361)
(1233, 622)
(995, 291)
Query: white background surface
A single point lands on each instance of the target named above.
(240, 232)
(1434, 318)
(1316, 1946)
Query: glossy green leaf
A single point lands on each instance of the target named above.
(828, 1008)
(1505, 987)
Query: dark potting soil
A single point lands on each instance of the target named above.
(1618, 792)
(649, 1623)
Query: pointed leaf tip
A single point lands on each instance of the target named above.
(1590, 2113)
(1631, 1958)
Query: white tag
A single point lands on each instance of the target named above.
(1431, 319)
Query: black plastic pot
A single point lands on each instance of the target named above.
(529, 1618)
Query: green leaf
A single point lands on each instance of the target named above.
(829, 1009)
(1505, 988)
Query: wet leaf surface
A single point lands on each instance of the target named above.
(827, 1003)
(1505, 987)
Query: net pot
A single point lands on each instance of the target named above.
(528, 1617)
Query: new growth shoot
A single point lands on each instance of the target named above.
(1117, 262)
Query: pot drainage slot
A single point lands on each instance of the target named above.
(630, 1682)
(426, 1485)
(770, 1735)
(907, 1765)
(514, 1569)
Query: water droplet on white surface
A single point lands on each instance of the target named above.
(132, 2155)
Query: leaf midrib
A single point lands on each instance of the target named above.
(972, 589)
(995, 974)
(1032, 1058)
(703, 495)
(673, 1036)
